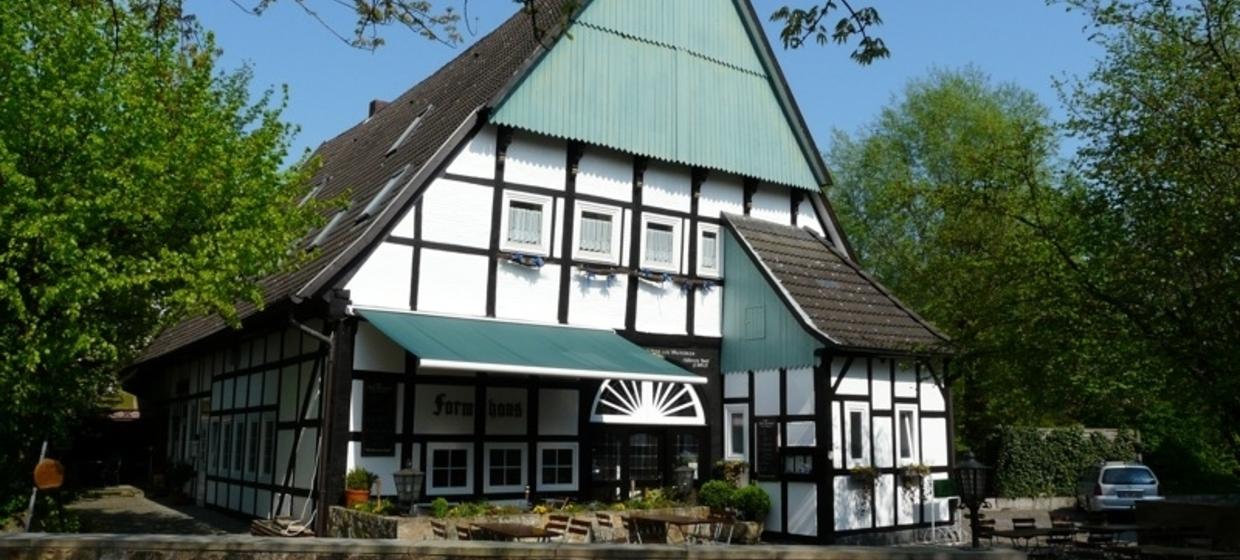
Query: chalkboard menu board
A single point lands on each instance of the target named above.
(766, 448)
(378, 418)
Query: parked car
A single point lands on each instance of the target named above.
(1116, 485)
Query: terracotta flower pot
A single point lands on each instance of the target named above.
(354, 497)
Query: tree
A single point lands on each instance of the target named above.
(140, 186)
(1161, 169)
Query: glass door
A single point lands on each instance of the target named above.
(645, 461)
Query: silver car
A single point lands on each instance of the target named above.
(1116, 486)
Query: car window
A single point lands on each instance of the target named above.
(1128, 475)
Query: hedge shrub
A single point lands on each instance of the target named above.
(1032, 462)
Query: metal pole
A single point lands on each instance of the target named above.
(34, 491)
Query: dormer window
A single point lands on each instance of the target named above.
(526, 223)
(597, 233)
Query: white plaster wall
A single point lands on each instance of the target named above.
(383, 279)
(535, 160)
(766, 392)
(271, 387)
(596, 302)
(626, 241)
(937, 509)
(772, 203)
(884, 455)
(735, 385)
(254, 397)
(667, 186)
(425, 421)
(906, 380)
(661, 308)
(477, 158)
(374, 351)
(931, 397)
(800, 434)
(708, 312)
(800, 394)
(355, 405)
(882, 388)
(500, 425)
(605, 173)
(908, 505)
(381, 466)
(885, 501)
(458, 213)
(774, 519)
(934, 441)
(807, 218)
(305, 457)
(264, 504)
(722, 193)
(837, 453)
(852, 508)
(226, 396)
(307, 376)
(289, 394)
(528, 294)
(557, 412)
(405, 227)
(452, 283)
(856, 381)
(803, 508)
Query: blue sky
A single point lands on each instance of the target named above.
(1025, 42)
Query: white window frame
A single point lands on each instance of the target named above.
(617, 232)
(912, 459)
(486, 467)
(677, 241)
(558, 445)
(728, 411)
(431, 489)
(864, 409)
(701, 241)
(543, 248)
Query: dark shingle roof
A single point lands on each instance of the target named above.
(838, 299)
(357, 161)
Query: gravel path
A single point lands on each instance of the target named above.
(126, 510)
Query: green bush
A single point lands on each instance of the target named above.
(381, 507)
(731, 470)
(359, 479)
(1031, 462)
(752, 503)
(439, 508)
(718, 495)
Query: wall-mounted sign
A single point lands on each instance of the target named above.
(702, 361)
(766, 448)
(506, 410)
(443, 409)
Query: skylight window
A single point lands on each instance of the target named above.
(381, 198)
(314, 191)
(326, 231)
(417, 121)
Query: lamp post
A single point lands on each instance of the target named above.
(409, 486)
(972, 480)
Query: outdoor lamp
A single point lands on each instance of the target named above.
(972, 479)
(684, 473)
(409, 486)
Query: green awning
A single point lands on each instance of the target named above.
(465, 344)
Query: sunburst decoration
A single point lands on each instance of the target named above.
(624, 401)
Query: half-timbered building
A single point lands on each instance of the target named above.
(569, 262)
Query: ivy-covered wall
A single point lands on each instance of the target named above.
(1032, 462)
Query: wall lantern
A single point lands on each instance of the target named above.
(409, 486)
(972, 481)
(684, 474)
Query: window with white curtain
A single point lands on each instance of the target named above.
(661, 243)
(708, 250)
(596, 233)
(525, 221)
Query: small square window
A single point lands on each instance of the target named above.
(505, 467)
(450, 468)
(557, 466)
(525, 223)
(737, 434)
(596, 236)
(661, 244)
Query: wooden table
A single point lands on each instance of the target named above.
(1157, 551)
(515, 531)
(1027, 535)
(663, 521)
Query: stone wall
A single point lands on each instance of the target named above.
(42, 546)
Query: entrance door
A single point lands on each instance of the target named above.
(645, 461)
(628, 459)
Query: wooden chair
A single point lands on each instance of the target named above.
(1064, 538)
(578, 531)
(464, 532)
(557, 525)
(1024, 523)
(439, 530)
(607, 529)
(630, 527)
(986, 530)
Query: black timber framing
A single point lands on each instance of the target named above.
(574, 152)
(503, 138)
(337, 393)
(635, 243)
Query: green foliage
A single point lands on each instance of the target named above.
(652, 498)
(359, 479)
(731, 470)
(140, 186)
(752, 503)
(1034, 462)
(439, 508)
(718, 495)
(378, 507)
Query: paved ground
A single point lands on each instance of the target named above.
(126, 510)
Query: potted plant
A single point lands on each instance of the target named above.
(357, 486)
(864, 477)
(911, 479)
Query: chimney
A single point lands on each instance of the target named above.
(375, 106)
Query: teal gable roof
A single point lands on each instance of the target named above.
(683, 81)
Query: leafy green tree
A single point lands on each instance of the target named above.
(138, 185)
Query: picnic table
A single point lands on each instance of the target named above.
(514, 531)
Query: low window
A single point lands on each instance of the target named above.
(505, 467)
(708, 252)
(525, 223)
(269, 445)
(215, 445)
(254, 447)
(450, 467)
(239, 445)
(906, 420)
(557, 466)
(378, 418)
(226, 448)
(661, 244)
(596, 233)
(857, 434)
(737, 434)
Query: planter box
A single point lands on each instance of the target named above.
(347, 523)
